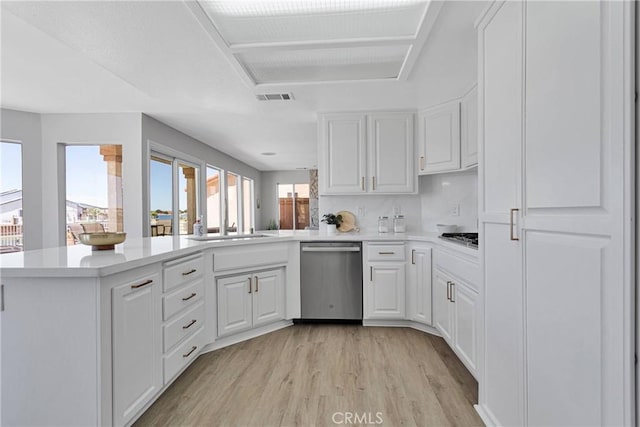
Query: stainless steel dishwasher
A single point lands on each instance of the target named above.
(331, 280)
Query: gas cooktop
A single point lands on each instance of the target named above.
(466, 239)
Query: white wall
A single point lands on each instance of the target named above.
(438, 194)
(269, 192)
(89, 129)
(154, 131)
(19, 126)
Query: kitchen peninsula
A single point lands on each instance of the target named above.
(102, 334)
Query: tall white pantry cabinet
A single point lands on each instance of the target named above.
(555, 171)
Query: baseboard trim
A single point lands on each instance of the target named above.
(485, 415)
(402, 324)
(246, 335)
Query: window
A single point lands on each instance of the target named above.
(293, 203)
(247, 205)
(11, 234)
(233, 201)
(214, 207)
(93, 189)
(173, 195)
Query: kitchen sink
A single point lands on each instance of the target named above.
(224, 238)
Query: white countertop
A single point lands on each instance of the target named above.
(81, 261)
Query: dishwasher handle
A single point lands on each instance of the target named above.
(330, 249)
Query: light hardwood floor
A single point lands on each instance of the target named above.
(304, 374)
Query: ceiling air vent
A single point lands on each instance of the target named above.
(275, 97)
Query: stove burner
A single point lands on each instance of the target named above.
(467, 239)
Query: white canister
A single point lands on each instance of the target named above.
(399, 225)
(383, 224)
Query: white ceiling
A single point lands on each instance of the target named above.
(154, 57)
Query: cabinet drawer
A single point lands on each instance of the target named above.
(183, 297)
(385, 252)
(183, 326)
(182, 355)
(183, 270)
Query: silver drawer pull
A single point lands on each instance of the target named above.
(190, 351)
(189, 297)
(190, 324)
(189, 272)
(386, 253)
(139, 285)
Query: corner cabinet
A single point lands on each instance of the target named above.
(419, 290)
(448, 135)
(363, 153)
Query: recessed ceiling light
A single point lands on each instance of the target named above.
(268, 153)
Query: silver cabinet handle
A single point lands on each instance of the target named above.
(186, 273)
(371, 273)
(413, 256)
(256, 277)
(189, 297)
(452, 292)
(386, 253)
(190, 324)
(373, 179)
(511, 224)
(449, 290)
(190, 351)
(250, 285)
(362, 184)
(421, 163)
(139, 285)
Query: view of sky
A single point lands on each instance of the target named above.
(160, 174)
(86, 175)
(10, 166)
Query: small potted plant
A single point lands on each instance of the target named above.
(333, 222)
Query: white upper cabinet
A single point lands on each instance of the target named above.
(469, 129)
(390, 148)
(366, 153)
(439, 139)
(342, 156)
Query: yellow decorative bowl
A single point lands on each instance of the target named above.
(102, 241)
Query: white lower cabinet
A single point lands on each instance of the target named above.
(384, 281)
(251, 299)
(137, 344)
(455, 316)
(419, 284)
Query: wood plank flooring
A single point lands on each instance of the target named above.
(308, 375)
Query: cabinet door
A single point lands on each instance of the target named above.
(469, 129)
(464, 324)
(390, 151)
(439, 139)
(268, 297)
(234, 304)
(384, 292)
(442, 306)
(342, 156)
(137, 345)
(420, 285)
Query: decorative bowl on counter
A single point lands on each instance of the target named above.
(446, 228)
(102, 241)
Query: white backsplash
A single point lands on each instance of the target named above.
(441, 192)
(437, 196)
(374, 206)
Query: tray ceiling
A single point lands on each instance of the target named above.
(283, 42)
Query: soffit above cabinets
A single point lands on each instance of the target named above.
(285, 42)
